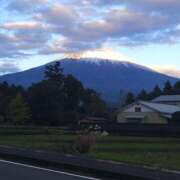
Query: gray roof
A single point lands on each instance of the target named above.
(162, 108)
(167, 98)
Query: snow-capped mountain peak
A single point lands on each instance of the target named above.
(108, 77)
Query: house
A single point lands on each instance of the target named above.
(143, 112)
(168, 99)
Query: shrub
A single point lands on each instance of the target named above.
(85, 143)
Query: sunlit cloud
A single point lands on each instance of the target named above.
(21, 25)
(101, 53)
(168, 69)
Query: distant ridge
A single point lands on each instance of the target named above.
(108, 77)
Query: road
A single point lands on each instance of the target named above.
(17, 171)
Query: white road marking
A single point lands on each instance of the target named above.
(48, 170)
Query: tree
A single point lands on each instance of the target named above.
(168, 88)
(177, 88)
(47, 102)
(175, 118)
(7, 93)
(155, 93)
(19, 112)
(47, 98)
(54, 72)
(92, 104)
(55, 100)
(130, 98)
(143, 95)
(61, 99)
(73, 92)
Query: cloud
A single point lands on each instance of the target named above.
(103, 52)
(121, 26)
(20, 39)
(22, 25)
(7, 67)
(7, 48)
(26, 5)
(48, 27)
(170, 6)
(58, 14)
(162, 6)
(169, 70)
(139, 17)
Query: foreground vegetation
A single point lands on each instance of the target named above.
(156, 152)
(58, 100)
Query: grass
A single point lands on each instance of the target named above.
(156, 152)
(157, 160)
(50, 142)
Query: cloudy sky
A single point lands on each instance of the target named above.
(33, 32)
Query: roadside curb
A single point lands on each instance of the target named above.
(91, 164)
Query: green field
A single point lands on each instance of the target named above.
(156, 152)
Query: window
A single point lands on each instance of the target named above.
(137, 109)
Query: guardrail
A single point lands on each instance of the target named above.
(86, 164)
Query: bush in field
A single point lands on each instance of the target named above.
(85, 143)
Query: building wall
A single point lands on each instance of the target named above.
(149, 117)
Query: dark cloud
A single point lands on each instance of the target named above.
(8, 68)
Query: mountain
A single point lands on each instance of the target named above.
(107, 77)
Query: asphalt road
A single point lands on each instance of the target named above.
(16, 171)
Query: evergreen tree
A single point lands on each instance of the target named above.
(143, 95)
(54, 72)
(155, 93)
(19, 112)
(92, 104)
(168, 89)
(73, 92)
(47, 101)
(73, 96)
(130, 98)
(177, 88)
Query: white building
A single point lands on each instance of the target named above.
(147, 113)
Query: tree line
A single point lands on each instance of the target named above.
(57, 100)
(168, 89)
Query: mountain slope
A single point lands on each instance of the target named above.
(105, 76)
